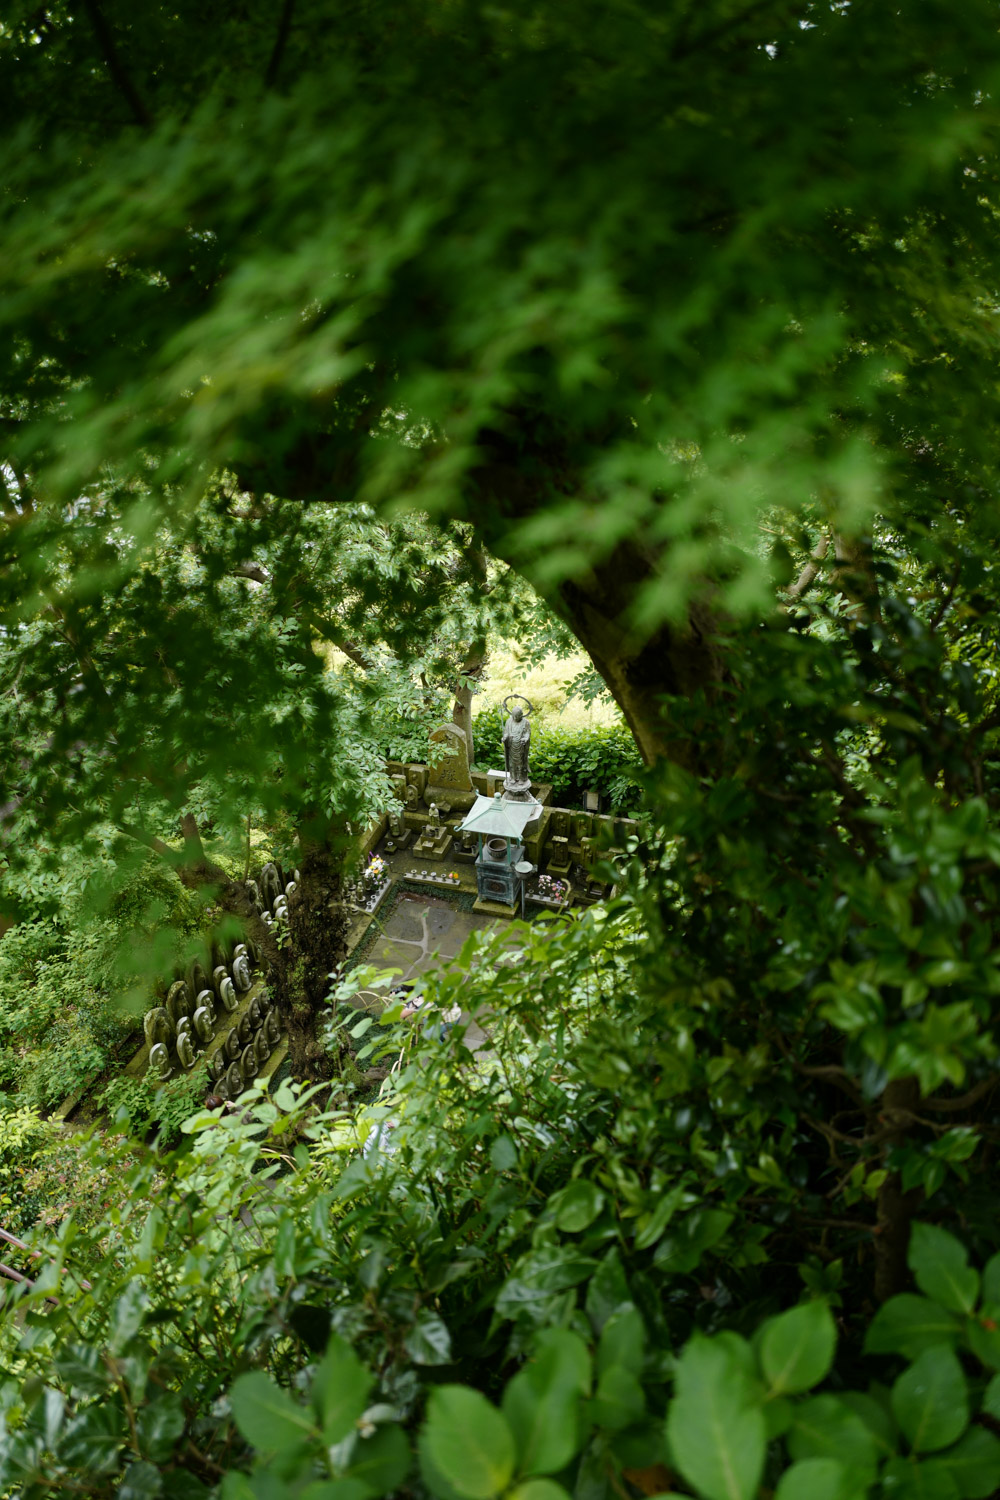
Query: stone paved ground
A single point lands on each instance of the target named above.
(425, 932)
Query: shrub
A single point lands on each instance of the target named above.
(603, 757)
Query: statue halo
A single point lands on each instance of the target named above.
(521, 699)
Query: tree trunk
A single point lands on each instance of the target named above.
(522, 469)
(318, 931)
(642, 673)
(895, 1208)
(461, 715)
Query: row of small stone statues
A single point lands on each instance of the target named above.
(186, 1020)
(271, 896)
(247, 1047)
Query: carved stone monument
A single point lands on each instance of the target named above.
(178, 1001)
(449, 781)
(159, 1061)
(559, 860)
(185, 1050)
(158, 1026)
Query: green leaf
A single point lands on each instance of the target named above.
(577, 1205)
(381, 1462)
(159, 1425)
(141, 1481)
(82, 1369)
(666, 1207)
(92, 1439)
(619, 1399)
(503, 1154)
(266, 1415)
(127, 1316)
(542, 1403)
(974, 1464)
(818, 1479)
(428, 1341)
(607, 1290)
(908, 1325)
(336, 1489)
(825, 1427)
(930, 1401)
(905, 1479)
(468, 1441)
(622, 1341)
(991, 1398)
(940, 1264)
(340, 1390)
(715, 1430)
(682, 1249)
(797, 1348)
(539, 1489)
(991, 1280)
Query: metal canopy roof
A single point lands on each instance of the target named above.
(493, 816)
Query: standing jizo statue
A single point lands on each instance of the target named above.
(516, 742)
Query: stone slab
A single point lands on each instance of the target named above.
(496, 908)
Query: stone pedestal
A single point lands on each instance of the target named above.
(433, 843)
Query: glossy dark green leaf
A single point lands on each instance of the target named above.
(159, 1424)
(428, 1342)
(141, 1481)
(577, 1205)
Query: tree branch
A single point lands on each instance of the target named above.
(251, 570)
(805, 579)
(964, 1101)
(115, 68)
(284, 27)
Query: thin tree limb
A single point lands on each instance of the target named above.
(805, 580)
(115, 67)
(280, 41)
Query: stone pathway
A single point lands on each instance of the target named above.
(425, 933)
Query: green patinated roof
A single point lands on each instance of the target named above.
(491, 816)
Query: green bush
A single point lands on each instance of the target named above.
(138, 1104)
(572, 760)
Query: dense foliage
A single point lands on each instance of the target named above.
(337, 340)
